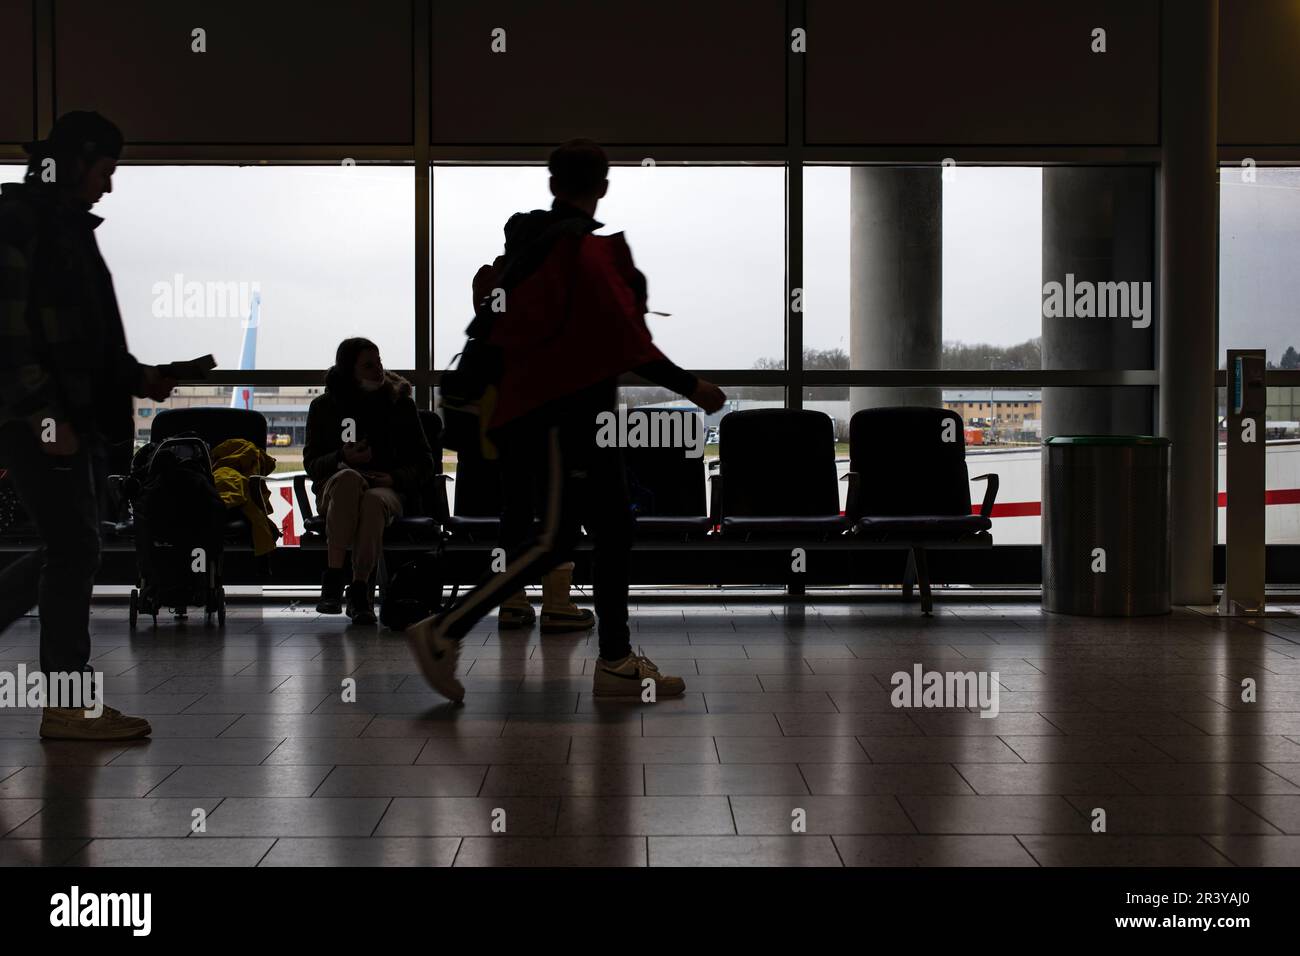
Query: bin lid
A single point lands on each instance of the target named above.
(1112, 440)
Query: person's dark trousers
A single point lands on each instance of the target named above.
(523, 466)
(60, 495)
(584, 485)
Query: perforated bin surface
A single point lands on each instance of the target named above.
(1106, 499)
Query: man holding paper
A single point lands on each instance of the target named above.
(66, 381)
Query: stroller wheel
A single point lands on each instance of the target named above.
(133, 614)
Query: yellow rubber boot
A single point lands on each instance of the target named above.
(516, 611)
(559, 613)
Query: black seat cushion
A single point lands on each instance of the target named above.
(921, 527)
(413, 528)
(470, 528)
(410, 528)
(806, 527)
(672, 526)
(235, 528)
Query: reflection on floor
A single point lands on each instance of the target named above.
(786, 749)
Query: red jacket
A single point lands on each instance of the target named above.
(573, 322)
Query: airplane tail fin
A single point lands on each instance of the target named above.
(242, 395)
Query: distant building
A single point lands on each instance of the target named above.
(1011, 413)
(285, 408)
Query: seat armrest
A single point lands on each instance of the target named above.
(852, 506)
(441, 503)
(304, 500)
(990, 493)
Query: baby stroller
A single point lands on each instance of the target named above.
(178, 518)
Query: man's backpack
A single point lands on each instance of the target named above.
(468, 392)
(467, 395)
(414, 592)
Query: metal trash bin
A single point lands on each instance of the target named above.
(1106, 525)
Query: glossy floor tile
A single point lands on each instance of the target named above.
(292, 740)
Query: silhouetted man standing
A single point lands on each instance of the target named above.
(66, 381)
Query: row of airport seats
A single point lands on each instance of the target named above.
(775, 486)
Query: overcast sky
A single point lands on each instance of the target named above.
(331, 249)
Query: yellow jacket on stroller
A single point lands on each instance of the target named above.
(234, 462)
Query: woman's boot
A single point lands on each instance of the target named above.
(331, 591)
(516, 611)
(559, 613)
(361, 602)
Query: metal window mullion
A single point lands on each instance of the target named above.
(794, 136)
(421, 103)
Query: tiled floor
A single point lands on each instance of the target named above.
(257, 758)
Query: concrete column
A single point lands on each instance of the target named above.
(895, 278)
(1097, 227)
(1189, 77)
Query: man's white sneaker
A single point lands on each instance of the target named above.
(437, 656)
(626, 678)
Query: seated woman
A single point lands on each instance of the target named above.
(367, 457)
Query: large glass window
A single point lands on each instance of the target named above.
(326, 249)
(1259, 245)
(987, 259)
(1259, 288)
(711, 241)
(973, 267)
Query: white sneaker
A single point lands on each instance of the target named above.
(626, 678)
(437, 656)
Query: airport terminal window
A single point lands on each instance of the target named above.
(986, 246)
(974, 267)
(1259, 239)
(326, 248)
(711, 241)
